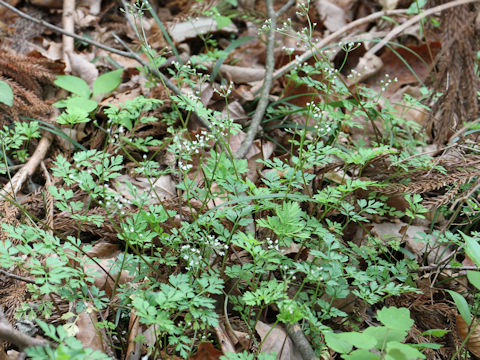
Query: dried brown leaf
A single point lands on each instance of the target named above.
(277, 340)
(463, 329)
(88, 334)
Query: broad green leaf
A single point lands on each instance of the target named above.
(107, 82)
(384, 335)
(60, 104)
(395, 318)
(6, 94)
(359, 340)
(361, 355)
(73, 84)
(337, 343)
(474, 278)
(427, 346)
(472, 248)
(415, 7)
(462, 306)
(435, 332)
(222, 21)
(395, 350)
(80, 104)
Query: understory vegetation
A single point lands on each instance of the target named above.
(164, 222)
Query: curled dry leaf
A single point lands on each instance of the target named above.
(206, 351)
(368, 65)
(408, 111)
(105, 254)
(411, 235)
(83, 19)
(234, 111)
(257, 151)
(276, 340)
(408, 64)
(50, 4)
(133, 347)
(82, 67)
(473, 344)
(88, 334)
(163, 188)
(242, 75)
(332, 14)
(193, 27)
(225, 342)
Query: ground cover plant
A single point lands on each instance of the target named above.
(240, 180)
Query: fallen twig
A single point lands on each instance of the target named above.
(398, 29)
(21, 340)
(68, 24)
(303, 346)
(50, 201)
(17, 277)
(447, 267)
(17, 181)
(267, 84)
(334, 36)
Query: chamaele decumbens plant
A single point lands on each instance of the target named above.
(194, 238)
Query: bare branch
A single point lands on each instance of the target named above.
(22, 341)
(267, 84)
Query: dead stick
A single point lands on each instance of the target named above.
(22, 341)
(334, 36)
(15, 184)
(398, 29)
(303, 346)
(68, 23)
(17, 277)
(267, 84)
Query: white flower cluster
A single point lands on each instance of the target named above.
(191, 147)
(224, 90)
(114, 200)
(265, 27)
(385, 83)
(214, 243)
(272, 244)
(285, 26)
(184, 167)
(349, 46)
(354, 74)
(303, 8)
(191, 256)
(321, 117)
(288, 50)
